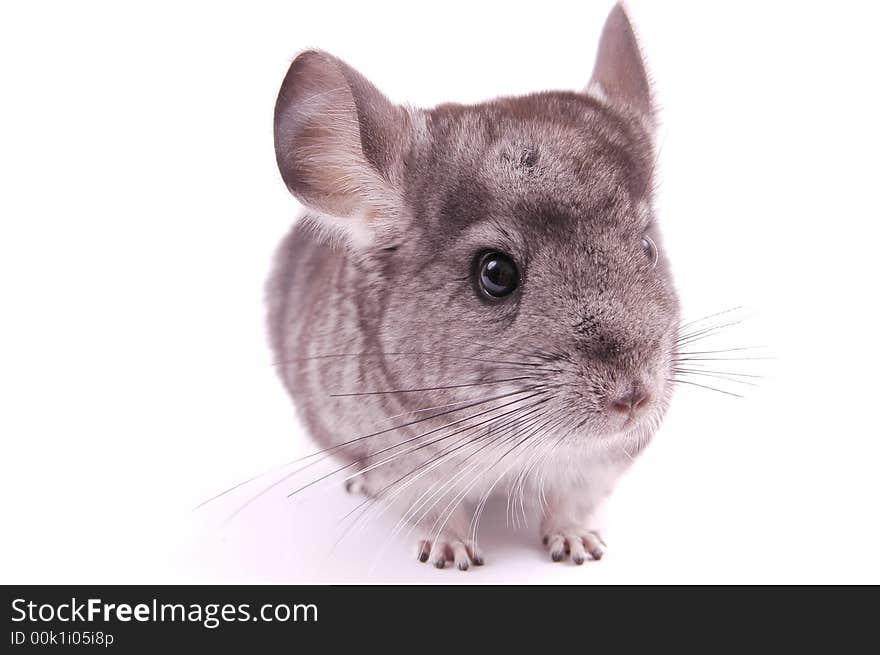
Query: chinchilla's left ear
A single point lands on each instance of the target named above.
(619, 73)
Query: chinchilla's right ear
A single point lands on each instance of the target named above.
(340, 145)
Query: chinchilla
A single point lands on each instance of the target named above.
(477, 301)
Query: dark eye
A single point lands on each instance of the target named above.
(497, 274)
(650, 249)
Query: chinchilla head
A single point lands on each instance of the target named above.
(515, 239)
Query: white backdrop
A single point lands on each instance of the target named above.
(140, 205)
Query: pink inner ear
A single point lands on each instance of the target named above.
(337, 139)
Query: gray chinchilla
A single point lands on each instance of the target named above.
(477, 301)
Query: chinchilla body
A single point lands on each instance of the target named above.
(477, 301)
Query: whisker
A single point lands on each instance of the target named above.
(539, 457)
(512, 491)
(241, 484)
(539, 429)
(424, 409)
(361, 460)
(512, 429)
(705, 371)
(456, 501)
(433, 441)
(450, 386)
(535, 352)
(445, 487)
(704, 333)
(722, 359)
(327, 452)
(425, 467)
(714, 376)
(404, 354)
(533, 408)
(534, 425)
(713, 352)
(540, 353)
(332, 449)
(433, 489)
(708, 316)
(705, 386)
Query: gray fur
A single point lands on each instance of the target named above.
(375, 291)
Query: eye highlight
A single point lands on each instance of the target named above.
(650, 249)
(497, 275)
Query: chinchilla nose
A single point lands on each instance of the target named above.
(633, 400)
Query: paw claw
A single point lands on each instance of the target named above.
(575, 543)
(460, 553)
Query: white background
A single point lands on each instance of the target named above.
(140, 205)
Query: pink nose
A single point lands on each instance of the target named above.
(632, 401)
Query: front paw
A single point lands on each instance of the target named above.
(575, 542)
(442, 550)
